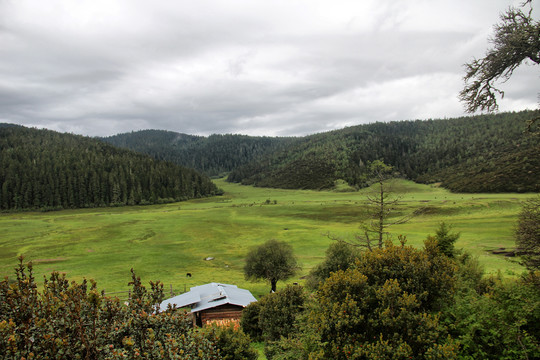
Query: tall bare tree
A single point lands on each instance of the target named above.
(382, 202)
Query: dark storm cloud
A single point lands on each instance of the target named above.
(253, 67)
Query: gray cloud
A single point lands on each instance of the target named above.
(252, 67)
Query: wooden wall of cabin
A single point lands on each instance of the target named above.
(224, 312)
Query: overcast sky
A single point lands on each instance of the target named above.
(278, 68)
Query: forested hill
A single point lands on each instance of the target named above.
(487, 153)
(214, 155)
(42, 169)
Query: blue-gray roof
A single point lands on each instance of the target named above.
(209, 296)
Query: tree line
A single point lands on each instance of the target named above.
(42, 169)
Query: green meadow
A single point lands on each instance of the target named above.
(165, 242)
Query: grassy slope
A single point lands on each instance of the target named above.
(167, 241)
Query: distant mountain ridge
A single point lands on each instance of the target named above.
(215, 155)
(43, 169)
(484, 153)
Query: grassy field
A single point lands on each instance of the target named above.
(165, 242)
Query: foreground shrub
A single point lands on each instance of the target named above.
(232, 343)
(279, 311)
(74, 321)
(339, 256)
(303, 343)
(382, 308)
(501, 324)
(250, 321)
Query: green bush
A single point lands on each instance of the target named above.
(279, 311)
(341, 185)
(339, 256)
(74, 321)
(425, 273)
(470, 275)
(250, 321)
(528, 233)
(501, 324)
(303, 343)
(232, 343)
(382, 307)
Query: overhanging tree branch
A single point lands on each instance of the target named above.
(516, 40)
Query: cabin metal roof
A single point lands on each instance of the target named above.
(209, 296)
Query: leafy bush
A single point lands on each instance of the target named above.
(250, 320)
(503, 324)
(528, 233)
(470, 275)
(285, 349)
(74, 321)
(232, 343)
(382, 307)
(302, 343)
(341, 185)
(425, 273)
(279, 311)
(339, 256)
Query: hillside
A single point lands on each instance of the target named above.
(508, 170)
(487, 153)
(214, 155)
(42, 169)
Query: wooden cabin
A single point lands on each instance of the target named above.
(212, 303)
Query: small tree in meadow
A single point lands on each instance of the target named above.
(445, 239)
(382, 202)
(272, 261)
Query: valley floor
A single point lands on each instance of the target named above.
(165, 242)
